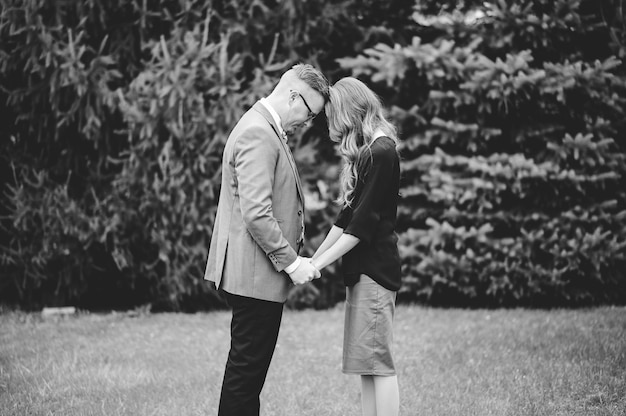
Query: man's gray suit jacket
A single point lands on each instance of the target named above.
(259, 223)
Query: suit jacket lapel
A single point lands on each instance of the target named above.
(263, 111)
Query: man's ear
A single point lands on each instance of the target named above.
(293, 95)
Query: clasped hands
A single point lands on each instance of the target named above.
(305, 272)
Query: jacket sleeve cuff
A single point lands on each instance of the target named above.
(282, 258)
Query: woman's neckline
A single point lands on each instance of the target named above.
(378, 134)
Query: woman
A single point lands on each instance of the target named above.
(364, 235)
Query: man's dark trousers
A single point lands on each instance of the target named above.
(254, 331)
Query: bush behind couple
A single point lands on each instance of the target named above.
(259, 230)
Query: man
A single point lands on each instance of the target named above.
(259, 230)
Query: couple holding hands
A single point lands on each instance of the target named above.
(259, 230)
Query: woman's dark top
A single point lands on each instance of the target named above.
(372, 218)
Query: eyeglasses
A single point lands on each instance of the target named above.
(312, 115)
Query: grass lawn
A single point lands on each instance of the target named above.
(451, 362)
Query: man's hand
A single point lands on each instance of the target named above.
(304, 273)
(310, 260)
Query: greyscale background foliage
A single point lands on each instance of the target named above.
(511, 113)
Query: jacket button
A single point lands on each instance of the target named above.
(299, 212)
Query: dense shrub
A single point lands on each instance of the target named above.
(59, 130)
(514, 160)
(114, 117)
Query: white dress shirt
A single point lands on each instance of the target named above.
(293, 266)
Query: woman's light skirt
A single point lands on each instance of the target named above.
(368, 330)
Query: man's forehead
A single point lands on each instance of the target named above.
(314, 98)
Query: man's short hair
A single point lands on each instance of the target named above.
(313, 78)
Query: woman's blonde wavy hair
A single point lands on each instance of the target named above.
(354, 114)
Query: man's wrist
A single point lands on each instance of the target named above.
(293, 266)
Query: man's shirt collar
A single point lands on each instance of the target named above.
(275, 116)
